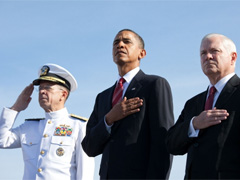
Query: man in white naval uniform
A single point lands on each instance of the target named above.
(51, 146)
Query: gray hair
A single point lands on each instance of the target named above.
(227, 42)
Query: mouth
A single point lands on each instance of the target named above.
(210, 63)
(42, 98)
(120, 52)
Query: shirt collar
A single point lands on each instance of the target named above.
(57, 114)
(222, 82)
(130, 75)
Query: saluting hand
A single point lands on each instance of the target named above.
(123, 108)
(23, 99)
(210, 118)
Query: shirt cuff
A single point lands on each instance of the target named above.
(107, 126)
(191, 131)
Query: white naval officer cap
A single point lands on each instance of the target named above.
(55, 73)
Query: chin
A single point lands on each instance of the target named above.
(120, 62)
(43, 104)
(210, 73)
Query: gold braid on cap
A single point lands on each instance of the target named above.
(50, 78)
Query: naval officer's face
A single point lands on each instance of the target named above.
(50, 96)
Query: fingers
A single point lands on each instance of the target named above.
(133, 101)
(130, 111)
(217, 118)
(209, 118)
(23, 99)
(28, 90)
(217, 114)
(132, 104)
(212, 123)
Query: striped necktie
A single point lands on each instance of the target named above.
(117, 95)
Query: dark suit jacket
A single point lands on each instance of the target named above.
(136, 148)
(215, 153)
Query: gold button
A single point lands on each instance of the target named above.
(30, 143)
(39, 169)
(49, 122)
(42, 152)
(61, 142)
(45, 135)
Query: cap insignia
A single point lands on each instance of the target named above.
(44, 70)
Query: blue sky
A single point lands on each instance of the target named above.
(78, 35)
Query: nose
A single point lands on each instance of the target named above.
(42, 91)
(120, 45)
(209, 56)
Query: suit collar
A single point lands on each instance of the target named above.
(221, 83)
(135, 85)
(201, 101)
(227, 91)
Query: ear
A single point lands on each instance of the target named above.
(142, 54)
(64, 95)
(234, 58)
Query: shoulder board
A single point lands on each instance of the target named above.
(34, 119)
(78, 117)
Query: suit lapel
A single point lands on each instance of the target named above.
(201, 102)
(227, 91)
(135, 85)
(109, 97)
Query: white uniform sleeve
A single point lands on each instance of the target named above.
(85, 164)
(8, 138)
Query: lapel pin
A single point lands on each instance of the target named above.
(133, 89)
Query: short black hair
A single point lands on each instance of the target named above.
(142, 44)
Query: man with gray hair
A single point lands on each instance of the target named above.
(208, 127)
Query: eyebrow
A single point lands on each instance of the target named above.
(123, 39)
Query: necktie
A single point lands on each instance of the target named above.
(117, 95)
(210, 98)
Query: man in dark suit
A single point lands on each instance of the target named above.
(131, 134)
(210, 132)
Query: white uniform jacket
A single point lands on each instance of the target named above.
(51, 147)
